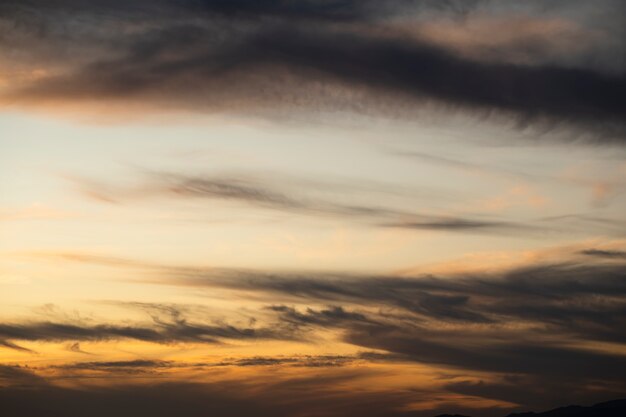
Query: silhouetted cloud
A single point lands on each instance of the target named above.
(253, 56)
(137, 366)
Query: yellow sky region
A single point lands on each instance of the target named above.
(48, 353)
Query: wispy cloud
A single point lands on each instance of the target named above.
(269, 195)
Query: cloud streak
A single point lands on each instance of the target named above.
(268, 196)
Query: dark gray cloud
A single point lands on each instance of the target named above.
(331, 316)
(11, 345)
(492, 353)
(603, 253)
(532, 321)
(495, 348)
(116, 368)
(587, 299)
(175, 329)
(458, 224)
(139, 363)
(314, 55)
(306, 361)
(75, 347)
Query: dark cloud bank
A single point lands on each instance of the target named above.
(313, 55)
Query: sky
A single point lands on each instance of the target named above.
(313, 208)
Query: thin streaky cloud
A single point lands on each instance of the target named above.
(269, 196)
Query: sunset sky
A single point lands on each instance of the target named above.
(311, 208)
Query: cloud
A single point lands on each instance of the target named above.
(534, 393)
(75, 347)
(575, 297)
(137, 366)
(332, 316)
(281, 396)
(586, 298)
(473, 351)
(305, 361)
(456, 224)
(19, 376)
(533, 320)
(603, 253)
(270, 196)
(555, 322)
(298, 396)
(175, 329)
(308, 361)
(11, 345)
(248, 56)
(558, 322)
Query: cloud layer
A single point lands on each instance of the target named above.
(549, 324)
(316, 55)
